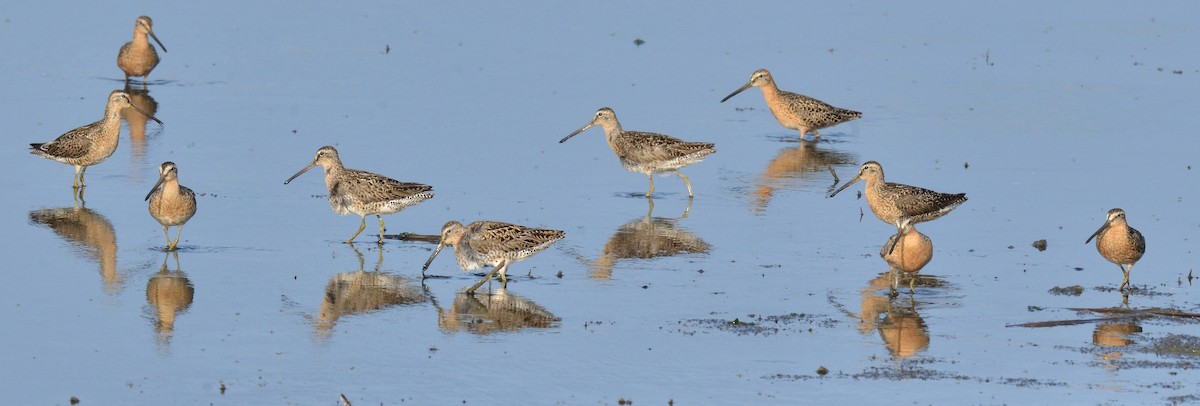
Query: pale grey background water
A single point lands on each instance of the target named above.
(1062, 111)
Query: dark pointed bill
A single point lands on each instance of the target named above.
(135, 108)
(1101, 230)
(161, 177)
(845, 185)
(735, 92)
(164, 47)
(310, 166)
(576, 132)
(436, 251)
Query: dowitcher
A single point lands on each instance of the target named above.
(907, 251)
(362, 192)
(648, 153)
(1119, 243)
(171, 204)
(894, 203)
(796, 111)
(138, 57)
(91, 144)
(492, 243)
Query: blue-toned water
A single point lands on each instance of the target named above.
(1046, 115)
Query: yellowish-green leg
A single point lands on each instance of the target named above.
(380, 228)
(178, 232)
(503, 266)
(168, 236)
(912, 284)
(685, 181)
(361, 227)
(1126, 272)
(81, 172)
(651, 176)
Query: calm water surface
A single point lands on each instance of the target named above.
(1045, 115)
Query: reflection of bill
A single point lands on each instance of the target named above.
(648, 237)
(797, 163)
(495, 313)
(90, 233)
(139, 98)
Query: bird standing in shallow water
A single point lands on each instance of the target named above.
(796, 111)
(907, 251)
(91, 144)
(138, 57)
(492, 243)
(647, 153)
(362, 192)
(895, 203)
(171, 204)
(1119, 243)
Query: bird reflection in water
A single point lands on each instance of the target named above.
(648, 237)
(89, 233)
(497, 312)
(362, 292)
(169, 293)
(1112, 336)
(901, 327)
(136, 122)
(798, 164)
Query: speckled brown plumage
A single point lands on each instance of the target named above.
(645, 152)
(492, 243)
(894, 202)
(364, 193)
(1119, 243)
(171, 204)
(794, 110)
(138, 57)
(92, 143)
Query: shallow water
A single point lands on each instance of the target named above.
(1046, 115)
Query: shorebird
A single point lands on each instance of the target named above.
(91, 144)
(492, 243)
(364, 193)
(1119, 243)
(138, 57)
(895, 203)
(907, 251)
(171, 204)
(647, 153)
(794, 110)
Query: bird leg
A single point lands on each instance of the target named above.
(1126, 272)
(178, 232)
(488, 277)
(168, 236)
(685, 181)
(912, 284)
(361, 226)
(380, 228)
(816, 135)
(651, 176)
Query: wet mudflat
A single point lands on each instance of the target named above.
(1045, 119)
